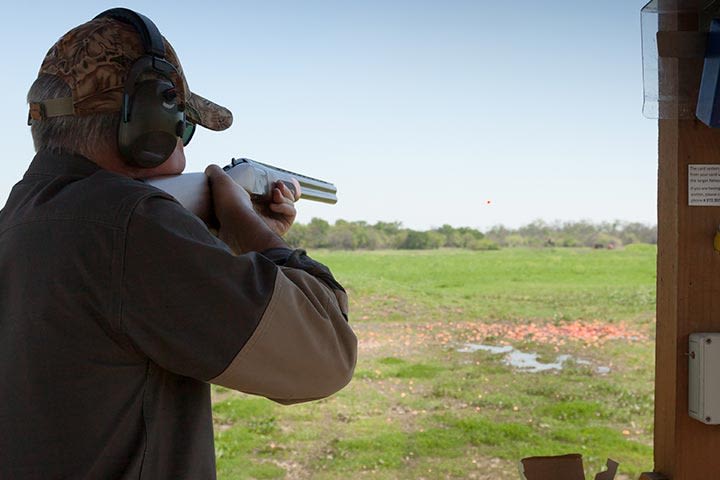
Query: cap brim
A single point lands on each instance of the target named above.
(202, 111)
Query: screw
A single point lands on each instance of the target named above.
(708, 340)
(707, 419)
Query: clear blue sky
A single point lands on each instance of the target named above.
(419, 111)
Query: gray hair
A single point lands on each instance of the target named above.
(83, 135)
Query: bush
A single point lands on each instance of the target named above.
(483, 244)
(419, 241)
(345, 235)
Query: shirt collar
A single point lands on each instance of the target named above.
(53, 163)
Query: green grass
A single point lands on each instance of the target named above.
(417, 407)
(506, 284)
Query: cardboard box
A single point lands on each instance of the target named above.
(562, 467)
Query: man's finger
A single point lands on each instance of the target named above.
(286, 191)
(282, 194)
(213, 171)
(298, 189)
(284, 209)
(217, 175)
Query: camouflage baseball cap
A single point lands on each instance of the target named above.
(94, 60)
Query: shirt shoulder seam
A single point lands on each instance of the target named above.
(122, 249)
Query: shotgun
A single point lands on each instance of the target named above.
(193, 192)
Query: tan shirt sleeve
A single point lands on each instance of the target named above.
(303, 347)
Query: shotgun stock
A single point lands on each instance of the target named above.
(193, 192)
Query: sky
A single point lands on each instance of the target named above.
(463, 112)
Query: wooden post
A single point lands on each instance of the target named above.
(688, 273)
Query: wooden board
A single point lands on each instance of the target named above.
(688, 283)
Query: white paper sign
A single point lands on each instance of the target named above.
(704, 185)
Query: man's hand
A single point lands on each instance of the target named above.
(280, 213)
(241, 227)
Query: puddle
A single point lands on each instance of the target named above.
(528, 362)
(474, 347)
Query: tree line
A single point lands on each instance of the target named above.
(360, 235)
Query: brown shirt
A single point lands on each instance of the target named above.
(117, 307)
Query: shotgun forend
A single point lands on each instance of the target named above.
(257, 178)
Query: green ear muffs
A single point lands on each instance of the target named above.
(150, 121)
(151, 124)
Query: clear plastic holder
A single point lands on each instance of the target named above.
(660, 45)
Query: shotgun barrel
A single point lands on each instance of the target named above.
(257, 178)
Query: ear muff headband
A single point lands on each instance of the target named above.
(152, 42)
(149, 34)
(148, 129)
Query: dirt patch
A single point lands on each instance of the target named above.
(293, 470)
(403, 338)
(218, 395)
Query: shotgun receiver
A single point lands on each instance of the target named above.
(193, 192)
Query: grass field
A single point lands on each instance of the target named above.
(431, 400)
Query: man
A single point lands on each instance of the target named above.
(117, 305)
